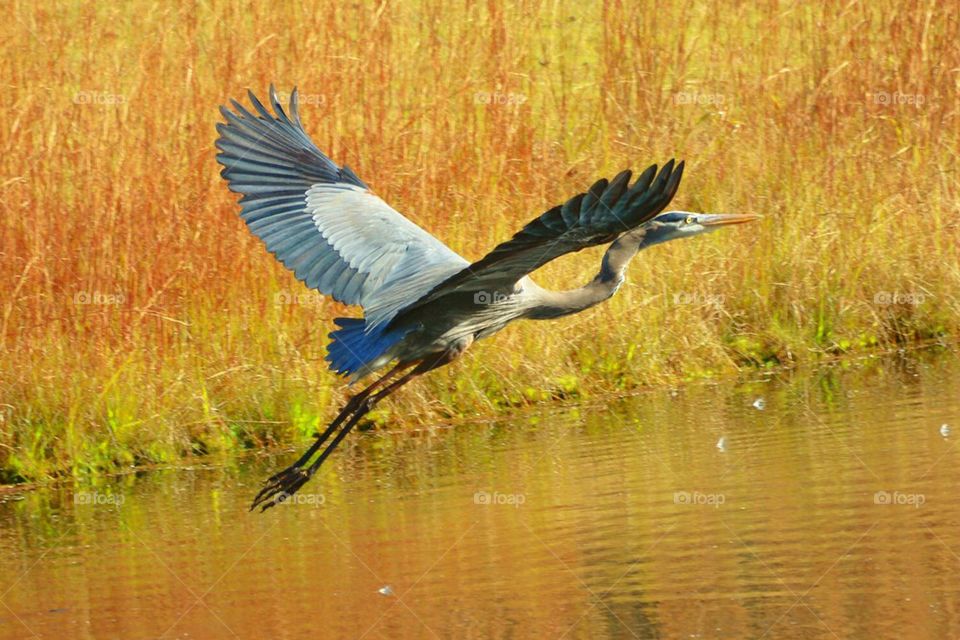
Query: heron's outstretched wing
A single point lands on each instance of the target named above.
(595, 217)
(320, 220)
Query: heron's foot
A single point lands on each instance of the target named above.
(281, 486)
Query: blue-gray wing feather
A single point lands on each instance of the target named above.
(320, 220)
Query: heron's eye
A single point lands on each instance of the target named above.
(688, 220)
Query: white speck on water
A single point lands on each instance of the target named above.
(385, 590)
(944, 430)
(722, 443)
(759, 404)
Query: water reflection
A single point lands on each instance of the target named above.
(830, 512)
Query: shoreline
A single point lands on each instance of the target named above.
(742, 376)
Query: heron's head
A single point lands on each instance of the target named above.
(662, 228)
(683, 224)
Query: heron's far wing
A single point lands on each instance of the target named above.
(320, 220)
(597, 216)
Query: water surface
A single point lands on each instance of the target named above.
(830, 512)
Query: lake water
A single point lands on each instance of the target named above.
(831, 509)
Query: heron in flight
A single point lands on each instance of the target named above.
(423, 304)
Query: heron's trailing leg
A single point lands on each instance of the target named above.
(351, 406)
(289, 475)
(287, 482)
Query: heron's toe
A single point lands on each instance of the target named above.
(280, 487)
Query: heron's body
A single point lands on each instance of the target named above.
(451, 325)
(423, 304)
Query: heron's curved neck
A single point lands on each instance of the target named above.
(556, 304)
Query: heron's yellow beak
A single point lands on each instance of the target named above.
(724, 219)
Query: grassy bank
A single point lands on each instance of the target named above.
(140, 321)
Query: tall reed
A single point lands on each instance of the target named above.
(141, 322)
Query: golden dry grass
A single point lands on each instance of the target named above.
(140, 320)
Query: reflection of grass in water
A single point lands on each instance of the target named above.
(142, 322)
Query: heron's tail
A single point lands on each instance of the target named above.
(352, 349)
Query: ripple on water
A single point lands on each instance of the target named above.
(832, 510)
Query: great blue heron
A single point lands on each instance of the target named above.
(423, 304)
